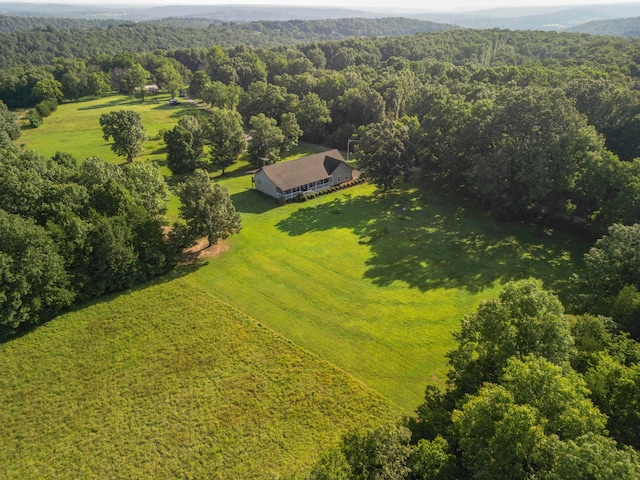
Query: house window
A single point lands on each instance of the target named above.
(338, 177)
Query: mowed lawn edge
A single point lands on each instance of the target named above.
(168, 381)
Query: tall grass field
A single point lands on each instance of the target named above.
(364, 288)
(169, 382)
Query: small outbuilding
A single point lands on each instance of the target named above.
(313, 173)
(152, 88)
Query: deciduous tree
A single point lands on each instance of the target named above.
(34, 285)
(8, 125)
(382, 152)
(199, 81)
(126, 129)
(266, 140)
(291, 131)
(185, 144)
(226, 137)
(524, 320)
(207, 208)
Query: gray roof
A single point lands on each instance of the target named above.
(304, 170)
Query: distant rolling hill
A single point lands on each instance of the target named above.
(534, 18)
(225, 13)
(621, 27)
(558, 18)
(41, 46)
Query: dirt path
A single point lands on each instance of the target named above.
(200, 251)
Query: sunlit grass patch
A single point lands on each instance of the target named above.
(169, 382)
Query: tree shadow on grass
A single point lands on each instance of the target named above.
(179, 110)
(252, 201)
(159, 151)
(429, 242)
(113, 103)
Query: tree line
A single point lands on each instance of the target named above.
(10, 24)
(73, 231)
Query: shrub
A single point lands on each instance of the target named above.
(46, 108)
(35, 120)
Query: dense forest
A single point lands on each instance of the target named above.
(41, 46)
(622, 27)
(10, 24)
(535, 127)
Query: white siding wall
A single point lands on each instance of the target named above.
(265, 185)
(344, 172)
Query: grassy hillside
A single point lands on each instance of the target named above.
(75, 127)
(169, 382)
(372, 283)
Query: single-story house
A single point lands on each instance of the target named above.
(287, 180)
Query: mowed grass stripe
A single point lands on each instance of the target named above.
(165, 382)
(376, 283)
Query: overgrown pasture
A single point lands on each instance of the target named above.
(169, 382)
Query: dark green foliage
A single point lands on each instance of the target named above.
(313, 116)
(148, 187)
(17, 23)
(199, 81)
(46, 108)
(375, 455)
(75, 232)
(514, 407)
(48, 89)
(8, 125)
(185, 143)
(226, 137)
(358, 106)
(98, 84)
(35, 120)
(383, 152)
(207, 209)
(291, 131)
(126, 129)
(611, 278)
(524, 320)
(270, 100)
(34, 285)
(529, 153)
(267, 140)
(73, 76)
(614, 261)
(40, 47)
(219, 95)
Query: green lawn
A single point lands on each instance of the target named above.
(169, 382)
(75, 127)
(374, 283)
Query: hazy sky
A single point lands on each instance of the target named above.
(439, 5)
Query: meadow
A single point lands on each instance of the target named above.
(369, 285)
(168, 381)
